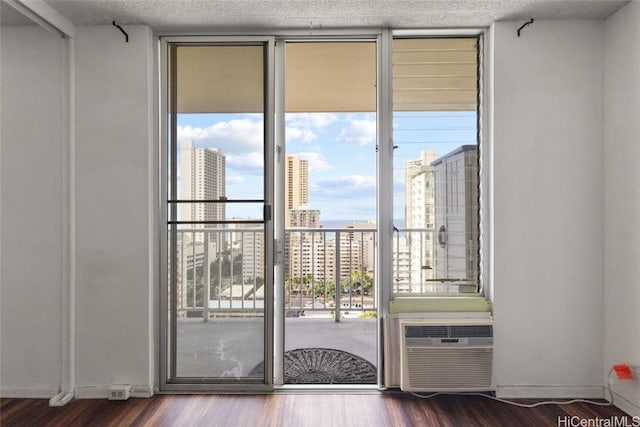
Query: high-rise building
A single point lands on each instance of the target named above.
(402, 265)
(419, 195)
(306, 255)
(248, 241)
(296, 211)
(202, 177)
(313, 254)
(296, 185)
(456, 221)
(420, 219)
(304, 217)
(366, 243)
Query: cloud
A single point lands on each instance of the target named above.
(310, 120)
(235, 179)
(305, 126)
(240, 140)
(358, 131)
(317, 162)
(252, 160)
(233, 136)
(350, 186)
(304, 135)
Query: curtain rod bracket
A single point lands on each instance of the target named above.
(529, 22)
(126, 36)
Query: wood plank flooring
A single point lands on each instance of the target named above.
(297, 410)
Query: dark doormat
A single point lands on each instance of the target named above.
(324, 366)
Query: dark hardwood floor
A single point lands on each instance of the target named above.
(299, 410)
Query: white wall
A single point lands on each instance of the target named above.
(548, 123)
(622, 199)
(114, 158)
(33, 69)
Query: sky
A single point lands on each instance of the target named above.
(340, 149)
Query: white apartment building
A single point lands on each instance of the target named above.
(307, 255)
(456, 222)
(420, 216)
(402, 266)
(248, 241)
(202, 177)
(315, 254)
(304, 217)
(192, 255)
(367, 242)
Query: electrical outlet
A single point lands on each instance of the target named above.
(120, 392)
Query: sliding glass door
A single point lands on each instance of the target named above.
(218, 216)
(330, 240)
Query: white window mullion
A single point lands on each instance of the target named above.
(384, 222)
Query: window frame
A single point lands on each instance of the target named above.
(483, 127)
(167, 380)
(384, 175)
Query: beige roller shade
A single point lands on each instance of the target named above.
(331, 76)
(435, 74)
(220, 79)
(321, 77)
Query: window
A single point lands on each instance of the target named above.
(436, 173)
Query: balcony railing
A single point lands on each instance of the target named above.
(429, 262)
(331, 270)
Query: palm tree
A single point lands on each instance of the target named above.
(360, 281)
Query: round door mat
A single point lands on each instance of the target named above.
(324, 366)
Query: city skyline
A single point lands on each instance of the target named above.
(339, 148)
(439, 242)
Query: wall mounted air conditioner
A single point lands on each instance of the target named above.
(446, 354)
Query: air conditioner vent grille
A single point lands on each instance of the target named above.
(454, 331)
(448, 369)
(471, 331)
(426, 331)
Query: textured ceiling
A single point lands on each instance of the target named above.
(207, 15)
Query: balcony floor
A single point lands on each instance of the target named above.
(233, 347)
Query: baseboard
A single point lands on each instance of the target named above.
(626, 406)
(550, 392)
(144, 391)
(29, 392)
(103, 392)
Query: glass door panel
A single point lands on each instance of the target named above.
(330, 212)
(218, 213)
